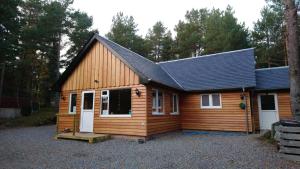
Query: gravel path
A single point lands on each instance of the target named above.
(36, 148)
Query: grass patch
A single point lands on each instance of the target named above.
(44, 117)
(267, 137)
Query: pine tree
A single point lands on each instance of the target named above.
(124, 32)
(160, 43)
(269, 36)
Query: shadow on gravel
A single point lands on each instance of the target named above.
(212, 133)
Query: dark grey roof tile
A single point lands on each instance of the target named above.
(272, 78)
(227, 70)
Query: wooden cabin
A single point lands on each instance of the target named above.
(110, 89)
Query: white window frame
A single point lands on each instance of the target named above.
(110, 115)
(82, 101)
(177, 104)
(70, 102)
(210, 101)
(163, 102)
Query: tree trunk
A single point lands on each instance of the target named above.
(293, 56)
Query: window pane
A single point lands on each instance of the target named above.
(88, 101)
(154, 100)
(216, 100)
(175, 106)
(205, 100)
(73, 103)
(160, 101)
(267, 102)
(120, 101)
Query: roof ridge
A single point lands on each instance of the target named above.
(204, 56)
(271, 68)
(125, 48)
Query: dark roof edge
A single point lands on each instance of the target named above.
(272, 90)
(221, 90)
(209, 55)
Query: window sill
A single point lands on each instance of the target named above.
(158, 113)
(72, 113)
(212, 107)
(174, 113)
(116, 115)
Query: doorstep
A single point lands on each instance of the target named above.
(90, 137)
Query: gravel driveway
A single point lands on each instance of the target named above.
(35, 148)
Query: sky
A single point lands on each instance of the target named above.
(147, 13)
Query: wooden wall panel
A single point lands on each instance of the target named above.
(229, 118)
(65, 120)
(284, 107)
(161, 123)
(134, 125)
(100, 65)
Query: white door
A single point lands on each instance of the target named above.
(87, 111)
(268, 110)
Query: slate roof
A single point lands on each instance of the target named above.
(227, 70)
(272, 78)
(222, 71)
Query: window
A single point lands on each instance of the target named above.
(116, 103)
(72, 103)
(211, 101)
(174, 103)
(267, 102)
(88, 101)
(157, 102)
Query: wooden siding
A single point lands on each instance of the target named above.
(111, 73)
(161, 123)
(284, 107)
(66, 119)
(134, 125)
(228, 118)
(102, 66)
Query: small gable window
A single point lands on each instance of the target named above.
(211, 101)
(157, 102)
(72, 103)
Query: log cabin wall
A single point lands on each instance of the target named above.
(101, 70)
(284, 107)
(162, 123)
(228, 118)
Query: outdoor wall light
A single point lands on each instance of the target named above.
(62, 97)
(137, 92)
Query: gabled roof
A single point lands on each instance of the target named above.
(227, 70)
(146, 69)
(222, 71)
(139, 64)
(272, 78)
